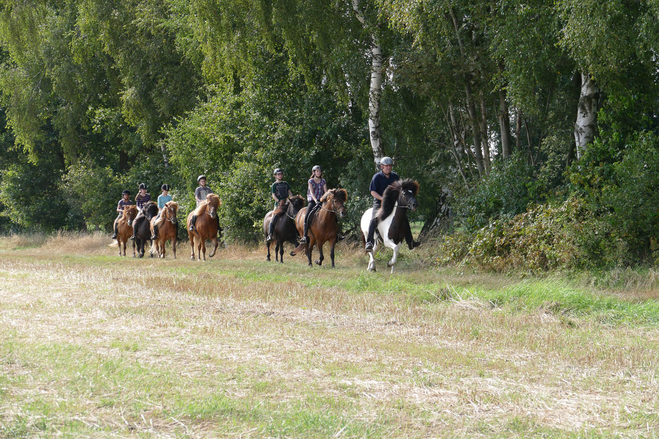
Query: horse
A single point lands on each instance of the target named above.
(143, 231)
(205, 226)
(125, 227)
(167, 229)
(393, 225)
(285, 228)
(324, 226)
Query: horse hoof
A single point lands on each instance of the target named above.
(292, 253)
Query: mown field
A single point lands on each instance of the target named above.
(93, 345)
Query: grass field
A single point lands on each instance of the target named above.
(93, 345)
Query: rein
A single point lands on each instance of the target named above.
(333, 210)
(287, 214)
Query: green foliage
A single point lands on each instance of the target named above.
(545, 237)
(32, 198)
(502, 194)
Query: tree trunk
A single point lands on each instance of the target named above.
(375, 92)
(485, 138)
(471, 108)
(586, 124)
(504, 125)
(518, 130)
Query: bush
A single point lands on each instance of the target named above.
(545, 237)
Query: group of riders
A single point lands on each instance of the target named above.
(280, 192)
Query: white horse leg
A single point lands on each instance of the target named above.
(394, 258)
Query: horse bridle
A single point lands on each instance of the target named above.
(407, 205)
(333, 209)
(289, 208)
(170, 219)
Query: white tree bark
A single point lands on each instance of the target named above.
(375, 92)
(586, 124)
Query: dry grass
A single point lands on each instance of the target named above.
(96, 345)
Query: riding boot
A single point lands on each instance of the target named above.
(132, 237)
(305, 234)
(154, 235)
(116, 231)
(371, 232)
(193, 220)
(271, 229)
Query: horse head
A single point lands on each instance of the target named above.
(334, 200)
(297, 203)
(213, 204)
(408, 191)
(170, 211)
(130, 212)
(150, 210)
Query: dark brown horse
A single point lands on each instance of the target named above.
(324, 226)
(285, 230)
(393, 226)
(167, 229)
(143, 228)
(205, 227)
(125, 227)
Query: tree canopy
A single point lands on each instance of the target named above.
(493, 106)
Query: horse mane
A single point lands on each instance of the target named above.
(391, 194)
(212, 200)
(339, 194)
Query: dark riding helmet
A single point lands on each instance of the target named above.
(316, 167)
(142, 186)
(277, 171)
(386, 161)
(200, 177)
(125, 192)
(164, 187)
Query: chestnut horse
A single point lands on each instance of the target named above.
(125, 227)
(324, 226)
(167, 229)
(285, 228)
(393, 225)
(205, 227)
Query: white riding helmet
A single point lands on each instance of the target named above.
(386, 161)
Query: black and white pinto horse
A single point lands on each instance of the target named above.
(393, 225)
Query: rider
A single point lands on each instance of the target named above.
(140, 200)
(280, 192)
(163, 199)
(379, 183)
(125, 201)
(316, 187)
(200, 197)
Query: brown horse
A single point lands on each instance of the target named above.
(205, 227)
(285, 228)
(125, 228)
(166, 230)
(324, 226)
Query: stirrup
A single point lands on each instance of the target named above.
(153, 237)
(368, 247)
(114, 236)
(269, 238)
(192, 228)
(303, 240)
(132, 238)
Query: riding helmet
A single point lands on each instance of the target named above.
(386, 161)
(200, 177)
(125, 192)
(142, 186)
(164, 187)
(277, 171)
(316, 167)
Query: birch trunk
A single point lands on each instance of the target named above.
(375, 92)
(485, 138)
(504, 125)
(586, 124)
